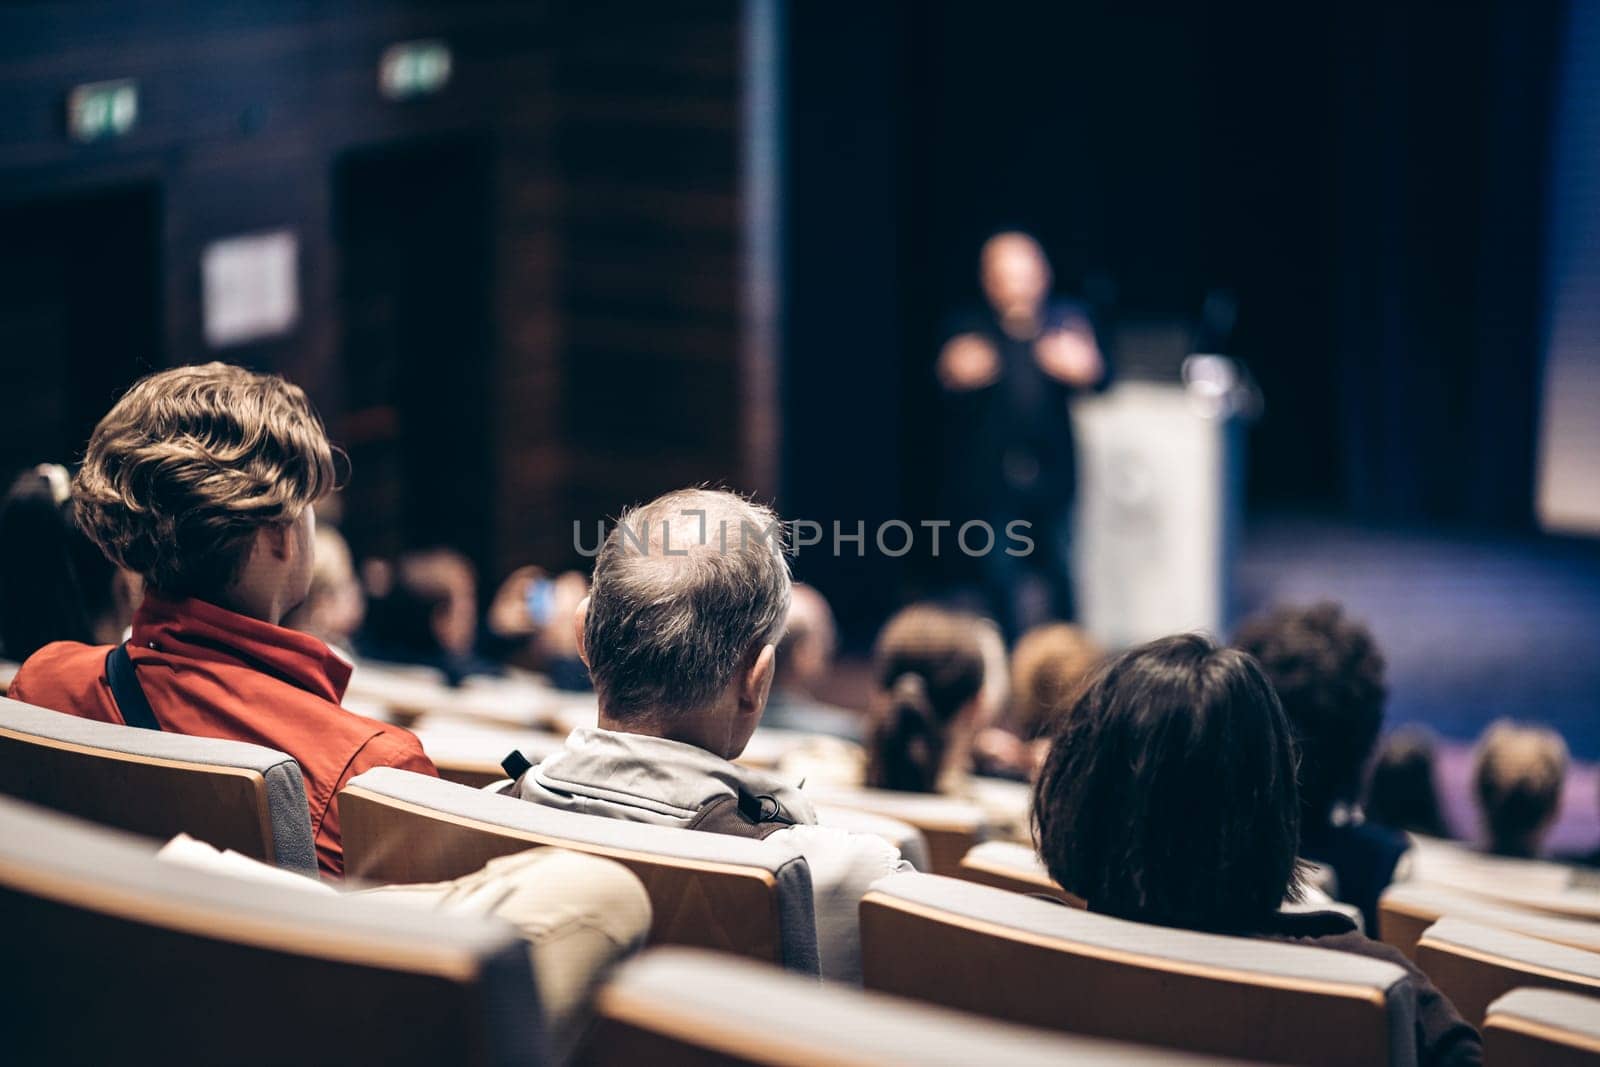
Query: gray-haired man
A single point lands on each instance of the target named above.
(690, 595)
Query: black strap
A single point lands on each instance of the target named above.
(762, 808)
(515, 765)
(127, 692)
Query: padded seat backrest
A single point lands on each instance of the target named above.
(227, 793)
(707, 890)
(911, 842)
(1533, 885)
(115, 956)
(1406, 909)
(950, 826)
(1010, 866)
(1474, 965)
(687, 1008)
(1542, 1028)
(1036, 962)
(470, 754)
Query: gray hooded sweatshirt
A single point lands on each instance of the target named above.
(653, 780)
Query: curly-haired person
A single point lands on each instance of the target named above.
(201, 480)
(1329, 673)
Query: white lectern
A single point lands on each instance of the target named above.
(1158, 500)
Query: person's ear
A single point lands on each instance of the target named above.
(757, 682)
(579, 619)
(277, 540)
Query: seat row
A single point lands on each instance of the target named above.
(960, 944)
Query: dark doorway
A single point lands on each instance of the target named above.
(79, 318)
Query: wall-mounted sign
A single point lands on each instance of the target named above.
(414, 68)
(98, 111)
(251, 287)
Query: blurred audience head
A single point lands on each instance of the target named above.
(929, 663)
(201, 480)
(1049, 667)
(1329, 674)
(1518, 776)
(55, 583)
(1169, 795)
(424, 607)
(1015, 274)
(336, 605)
(1404, 793)
(688, 601)
(805, 655)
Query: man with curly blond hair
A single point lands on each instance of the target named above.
(201, 480)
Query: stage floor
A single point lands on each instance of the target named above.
(1474, 628)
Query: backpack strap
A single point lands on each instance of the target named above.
(515, 764)
(127, 692)
(745, 815)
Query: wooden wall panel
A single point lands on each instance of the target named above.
(610, 135)
(649, 136)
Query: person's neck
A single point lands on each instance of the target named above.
(267, 609)
(684, 729)
(1020, 322)
(956, 765)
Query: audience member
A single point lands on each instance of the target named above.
(55, 584)
(1329, 674)
(427, 615)
(1170, 799)
(930, 668)
(1518, 778)
(941, 678)
(530, 622)
(1048, 668)
(201, 480)
(336, 604)
(805, 661)
(1404, 792)
(689, 599)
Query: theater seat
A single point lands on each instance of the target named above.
(470, 753)
(707, 890)
(1010, 866)
(1474, 964)
(950, 826)
(113, 956)
(227, 793)
(1542, 1028)
(984, 950)
(1406, 909)
(686, 1008)
(1018, 869)
(1533, 885)
(911, 842)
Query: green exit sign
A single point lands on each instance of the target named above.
(414, 68)
(99, 111)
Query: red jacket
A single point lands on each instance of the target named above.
(211, 673)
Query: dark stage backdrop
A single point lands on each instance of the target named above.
(1366, 179)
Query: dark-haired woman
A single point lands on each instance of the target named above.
(55, 583)
(1404, 793)
(1170, 798)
